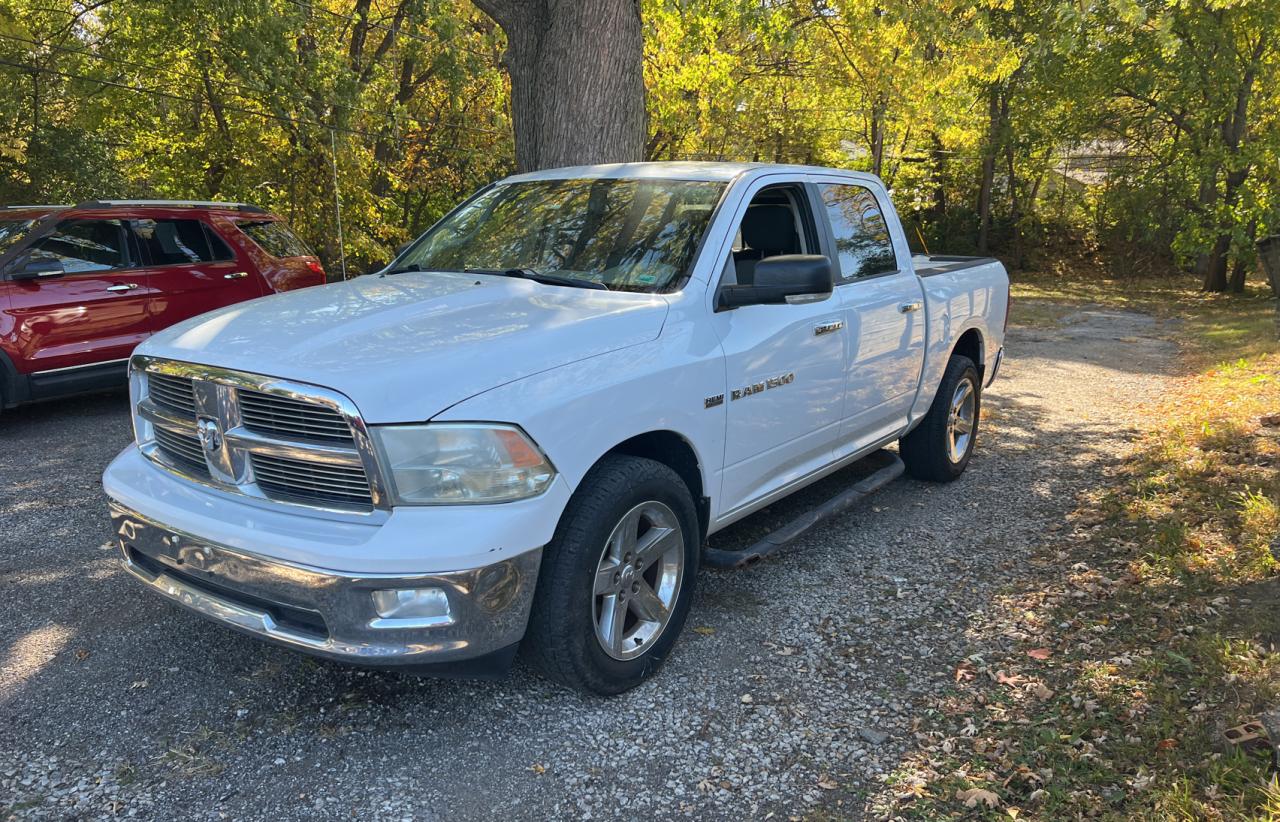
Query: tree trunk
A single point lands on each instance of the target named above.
(1234, 131)
(1214, 265)
(1239, 274)
(988, 169)
(939, 176)
(1240, 271)
(577, 84)
(877, 137)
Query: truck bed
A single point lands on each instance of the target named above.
(928, 265)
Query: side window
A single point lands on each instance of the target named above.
(178, 242)
(275, 238)
(217, 246)
(776, 222)
(862, 238)
(85, 246)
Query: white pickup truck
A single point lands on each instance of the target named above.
(523, 430)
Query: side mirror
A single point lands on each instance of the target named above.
(782, 279)
(38, 268)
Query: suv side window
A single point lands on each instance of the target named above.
(862, 238)
(84, 246)
(178, 242)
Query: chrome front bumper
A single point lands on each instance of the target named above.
(328, 614)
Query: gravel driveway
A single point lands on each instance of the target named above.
(792, 691)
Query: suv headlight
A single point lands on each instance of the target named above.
(451, 463)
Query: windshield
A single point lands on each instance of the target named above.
(628, 235)
(11, 231)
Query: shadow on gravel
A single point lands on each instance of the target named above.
(37, 417)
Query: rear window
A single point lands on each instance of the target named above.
(176, 242)
(276, 239)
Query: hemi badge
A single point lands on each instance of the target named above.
(712, 402)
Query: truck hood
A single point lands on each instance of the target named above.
(406, 347)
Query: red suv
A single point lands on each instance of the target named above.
(80, 286)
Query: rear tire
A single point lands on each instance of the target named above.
(616, 579)
(940, 447)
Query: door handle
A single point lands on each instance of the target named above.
(907, 308)
(235, 275)
(118, 287)
(827, 327)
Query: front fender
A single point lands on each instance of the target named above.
(579, 412)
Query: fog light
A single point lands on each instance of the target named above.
(411, 608)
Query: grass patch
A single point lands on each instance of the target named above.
(1149, 623)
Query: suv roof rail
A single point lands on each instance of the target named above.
(247, 207)
(33, 205)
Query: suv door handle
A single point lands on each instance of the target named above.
(118, 287)
(235, 275)
(907, 308)
(827, 327)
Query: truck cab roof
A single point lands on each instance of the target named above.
(681, 170)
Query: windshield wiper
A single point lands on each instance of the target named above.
(404, 269)
(540, 277)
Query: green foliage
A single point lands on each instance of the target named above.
(257, 100)
(1149, 127)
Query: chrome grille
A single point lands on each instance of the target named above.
(182, 449)
(173, 393)
(274, 414)
(258, 436)
(289, 479)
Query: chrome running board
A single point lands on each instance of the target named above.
(890, 468)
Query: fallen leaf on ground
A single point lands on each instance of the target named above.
(705, 630)
(1039, 653)
(1166, 744)
(538, 768)
(973, 796)
(826, 783)
(1042, 691)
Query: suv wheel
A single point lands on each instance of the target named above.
(617, 579)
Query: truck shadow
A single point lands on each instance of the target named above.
(48, 417)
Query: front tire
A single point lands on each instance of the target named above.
(616, 579)
(940, 447)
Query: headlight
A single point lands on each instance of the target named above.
(449, 463)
